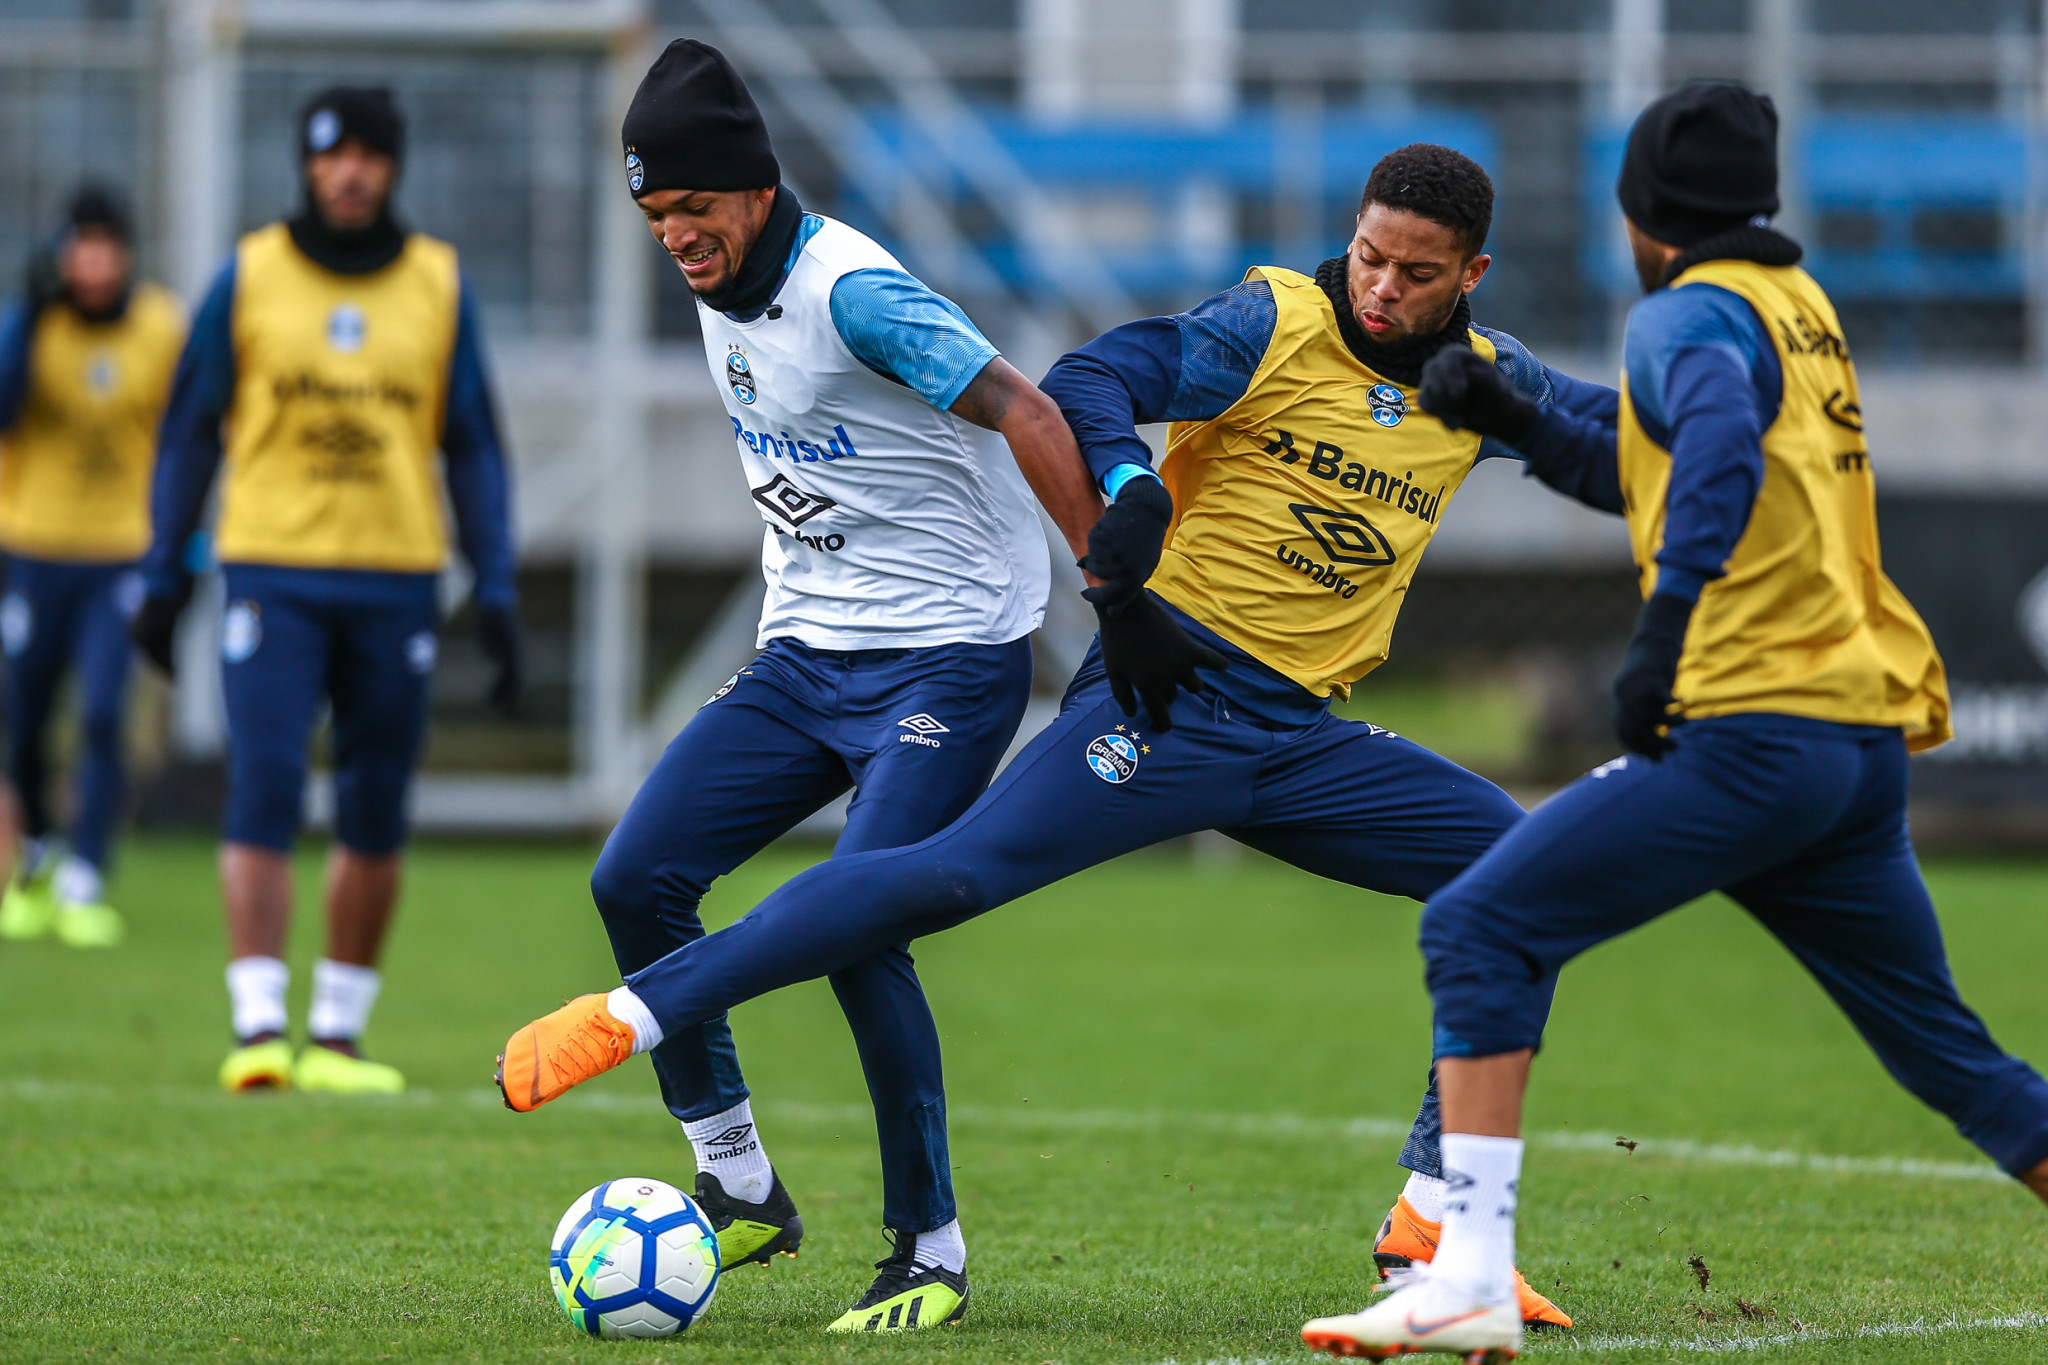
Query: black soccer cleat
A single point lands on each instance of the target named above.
(750, 1233)
(905, 1296)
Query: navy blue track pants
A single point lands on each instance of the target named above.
(916, 733)
(1803, 824)
(1342, 799)
(55, 616)
(363, 642)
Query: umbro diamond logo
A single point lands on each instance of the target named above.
(1344, 537)
(735, 1134)
(922, 727)
(788, 503)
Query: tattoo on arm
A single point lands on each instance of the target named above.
(988, 396)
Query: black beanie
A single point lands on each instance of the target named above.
(693, 126)
(341, 112)
(100, 208)
(1701, 161)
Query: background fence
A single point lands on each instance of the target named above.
(1059, 167)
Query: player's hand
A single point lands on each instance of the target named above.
(1469, 393)
(1124, 544)
(1148, 656)
(1642, 690)
(154, 628)
(497, 629)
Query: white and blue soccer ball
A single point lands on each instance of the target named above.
(634, 1258)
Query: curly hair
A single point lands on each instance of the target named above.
(1436, 183)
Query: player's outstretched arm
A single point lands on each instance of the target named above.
(1000, 399)
(1562, 428)
(17, 333)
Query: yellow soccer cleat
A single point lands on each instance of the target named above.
(906, 1296)
(89, 925)
(28, 909)
(258, 1066)
(1407, 1239)
(561, 1050)
(334, 1072)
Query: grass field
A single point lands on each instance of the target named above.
(1178, 1088)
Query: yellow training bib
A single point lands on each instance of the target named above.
(340, 398)
(75, 467)
(1302, 511)
(1804, 622)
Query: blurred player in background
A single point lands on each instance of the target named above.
(336, 353)
(1300, 489)
(906, 570)
(1775, 685)
(85, 365)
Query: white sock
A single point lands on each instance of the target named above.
(1477, 1252)
(630, 1010)
(256, 992)
(728, 1145)
(78, 882)
(1425, 1194)
(342, 996)
(943, 1247)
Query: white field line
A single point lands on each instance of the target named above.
(1917, 1327)
(1553, 1344)
(1163, 1122)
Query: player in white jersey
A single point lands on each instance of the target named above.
(906, 568)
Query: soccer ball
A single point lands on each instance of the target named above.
(634, 1258)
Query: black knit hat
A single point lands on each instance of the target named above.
(1702, 160)
(98, 207)
(341, 112)
(693, 126)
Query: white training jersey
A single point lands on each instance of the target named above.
(891, 524)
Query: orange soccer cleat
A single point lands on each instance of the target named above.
(560, 1050)
(1407, 1238)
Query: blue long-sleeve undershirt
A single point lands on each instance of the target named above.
(1194, 366)
(1705, 383)
(189, 449)
(17, 339)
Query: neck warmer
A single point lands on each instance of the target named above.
(1400, 361)
(745, 297)
(353, 251)
(1765, 246)
(113, 312)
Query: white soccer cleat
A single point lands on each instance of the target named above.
(1426, 1316)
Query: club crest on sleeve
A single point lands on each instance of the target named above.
(740, 375)
(1389, 404)
(1112, 758)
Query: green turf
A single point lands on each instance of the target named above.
(1178, 1087)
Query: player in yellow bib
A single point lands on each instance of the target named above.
(85, 365)
(1775, 685)
(335, 380)
(1301, 485)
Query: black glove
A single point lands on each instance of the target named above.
(1468, 393)
(497, 630)
(1148, 656)
(1123, 547)
(154, 627)
(1642, 690)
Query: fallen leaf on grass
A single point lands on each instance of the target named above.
(1630, 1144)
